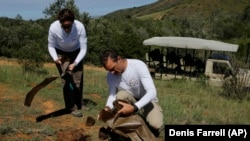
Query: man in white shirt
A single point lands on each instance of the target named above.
(130, 80)
(67, 42)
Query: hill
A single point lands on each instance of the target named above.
(185, 8)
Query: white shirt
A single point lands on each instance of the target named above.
(136, 79)
(67, 42)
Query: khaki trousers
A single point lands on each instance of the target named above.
(152, 112)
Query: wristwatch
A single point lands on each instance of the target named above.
(135, 108)
(75, 63)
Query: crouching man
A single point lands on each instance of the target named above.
(130, 80)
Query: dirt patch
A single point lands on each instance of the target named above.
(2, 89)
(49, 107)
(7, 61)
(96, 96)
(27, 116)
(13, 62)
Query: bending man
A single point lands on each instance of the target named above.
(67, 45)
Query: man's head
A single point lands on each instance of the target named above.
(112, 62)
(66, 18)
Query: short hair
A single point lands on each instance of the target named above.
(66, 15)
(109, 53)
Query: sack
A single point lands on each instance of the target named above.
(131, 127)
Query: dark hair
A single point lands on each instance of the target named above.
(66, 15)
(109, 53)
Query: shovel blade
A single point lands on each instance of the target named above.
(31, 94)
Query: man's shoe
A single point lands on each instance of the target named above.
(76, 113)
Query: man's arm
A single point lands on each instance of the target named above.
(52, 44)
(112, 83)
(148, 84)
(83, 43)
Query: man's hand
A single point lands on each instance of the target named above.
(71, 66)
(126, 108)
(58, 61)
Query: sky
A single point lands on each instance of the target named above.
(33, 9)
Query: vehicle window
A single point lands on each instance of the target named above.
(220, 68)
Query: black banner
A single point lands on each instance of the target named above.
(216, 132)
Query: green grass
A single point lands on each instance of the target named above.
(186, 102)
(183, 102)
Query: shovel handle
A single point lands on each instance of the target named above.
(62, 68)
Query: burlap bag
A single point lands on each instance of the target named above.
(132, 127)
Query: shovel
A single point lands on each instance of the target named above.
(31, 94)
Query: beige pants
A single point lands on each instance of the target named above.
(152, 112)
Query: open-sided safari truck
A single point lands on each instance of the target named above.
(191, 58)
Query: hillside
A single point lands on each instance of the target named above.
(158, 6)
(185, 8)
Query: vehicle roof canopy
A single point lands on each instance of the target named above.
(190, 43)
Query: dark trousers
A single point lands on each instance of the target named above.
(72, 81)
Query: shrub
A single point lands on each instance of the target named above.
(237, 84)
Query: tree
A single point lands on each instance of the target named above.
(19, 17)
(85, 18)
(54, 8)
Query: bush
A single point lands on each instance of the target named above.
(31, 56)
(237, 84)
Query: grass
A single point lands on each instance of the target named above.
(183, 102)
(186, 102)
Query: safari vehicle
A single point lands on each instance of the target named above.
(189, 58)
